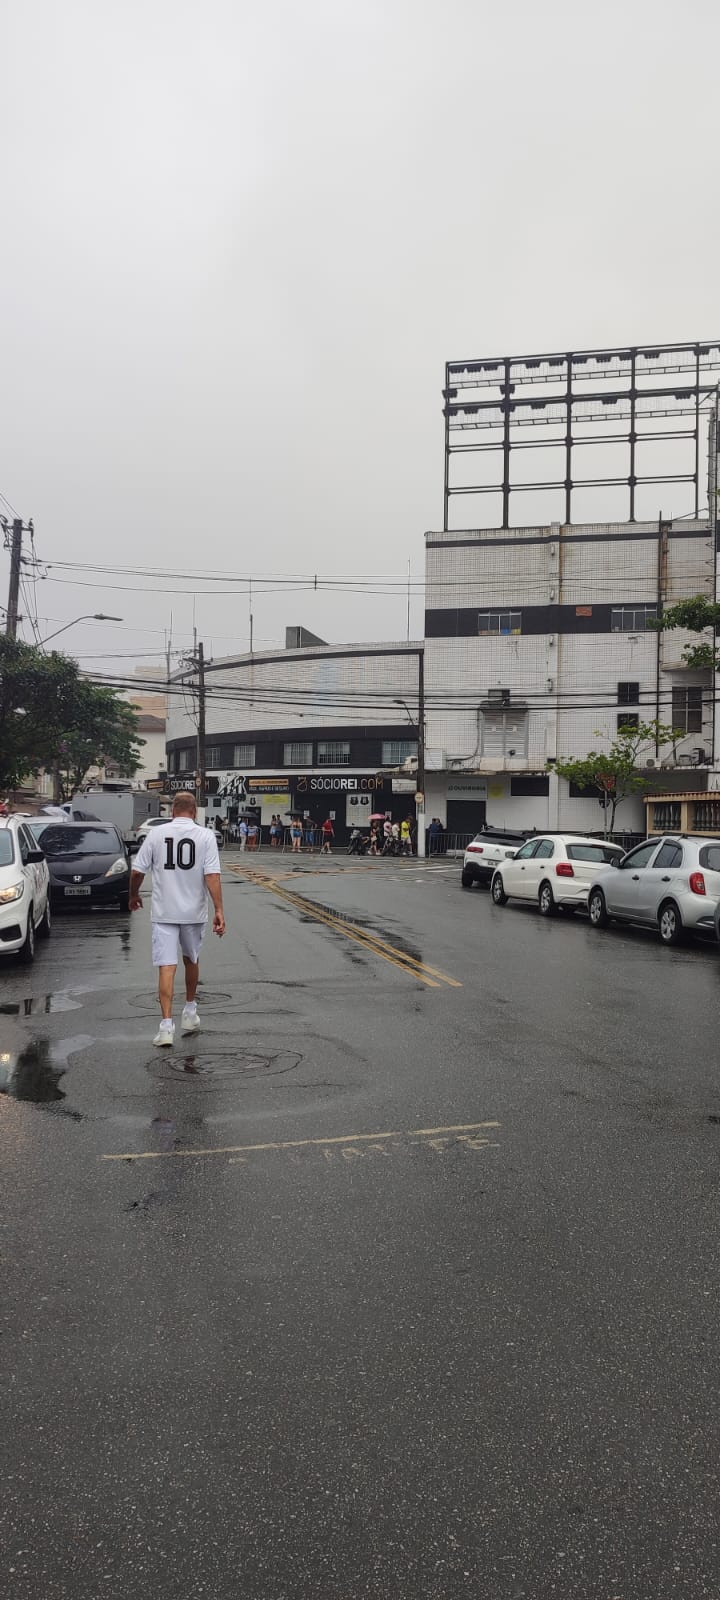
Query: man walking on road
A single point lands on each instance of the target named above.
(185, 866)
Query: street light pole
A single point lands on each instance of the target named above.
(87, 616)
(420, 776)
(420, 804)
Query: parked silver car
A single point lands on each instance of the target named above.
(671, 883)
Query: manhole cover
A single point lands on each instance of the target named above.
(208, 1000)
(215, 1068)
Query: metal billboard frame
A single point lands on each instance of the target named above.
(586, 393)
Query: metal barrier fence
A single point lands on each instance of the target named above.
(451, 845)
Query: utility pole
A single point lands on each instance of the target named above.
(200, 764)
(420, 804)
(14, 587)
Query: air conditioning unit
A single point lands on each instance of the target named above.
(698, 757)
(650, 761)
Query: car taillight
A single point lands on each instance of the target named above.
(475, 849)
(564, 869)
(697, 883)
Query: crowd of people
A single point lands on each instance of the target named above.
(384, 837)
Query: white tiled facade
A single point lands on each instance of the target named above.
(285, 688)
(568, 679)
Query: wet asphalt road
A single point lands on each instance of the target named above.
(432, 1311)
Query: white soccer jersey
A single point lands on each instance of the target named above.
(180, 855)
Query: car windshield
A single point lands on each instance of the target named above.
(592, 852)
(59, 841)
(6, 848)
(37, 825)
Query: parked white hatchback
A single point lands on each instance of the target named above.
(486, 852)
(555, 870)
(24, 890)
(671, 883)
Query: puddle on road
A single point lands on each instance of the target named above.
(308, 909)
(41, 1004)
(34, 1074)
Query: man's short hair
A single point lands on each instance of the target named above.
(184, 804)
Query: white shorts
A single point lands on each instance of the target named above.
(167, 935)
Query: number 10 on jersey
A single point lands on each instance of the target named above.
(185, 854)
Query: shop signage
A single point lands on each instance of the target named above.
(156, 783)
(403, 785)
(184, 782)
(266, 785)
(337, 785)
(467, 788)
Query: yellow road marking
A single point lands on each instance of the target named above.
(301, 1144)
(432, 977)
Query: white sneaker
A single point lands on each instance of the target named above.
(165, 1035)
(190, 1021)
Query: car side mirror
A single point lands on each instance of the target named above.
(510, 855)
(35, 856)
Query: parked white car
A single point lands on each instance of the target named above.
(144, 829)
(24, 890)
(554, 869)
(671, 883)
(486, 852)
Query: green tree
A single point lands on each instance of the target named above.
(98, 727)
(616, 773)
(52, 717)
(697, 615)
(33, 689)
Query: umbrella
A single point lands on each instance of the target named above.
(294, 815)
(378, 816)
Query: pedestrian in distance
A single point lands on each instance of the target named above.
(243, 834)
(310, 834)
(253, 835)
(374, 839)
(296, 833)
(328, 833)
(406, 837)
(185, 865)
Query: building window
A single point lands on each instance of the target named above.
(244, 755)
(395, 751)
(631, 619)
(687, 709)
(530, 783)
(297, 755)
(213, 756)
(628, 694)
(499, 622)
(333, 753)
(183, 760)
(504, 734)
(628, 719)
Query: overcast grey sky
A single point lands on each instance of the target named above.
(240, 241)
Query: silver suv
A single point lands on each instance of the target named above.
(671, 883)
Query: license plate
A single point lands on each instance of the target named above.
(85, 890)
